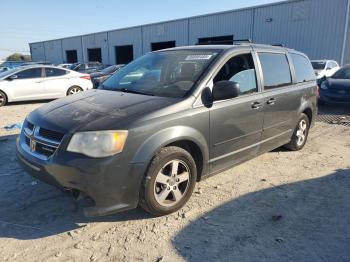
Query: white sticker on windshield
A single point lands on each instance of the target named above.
(198, 57)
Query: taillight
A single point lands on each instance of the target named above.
(87, 77)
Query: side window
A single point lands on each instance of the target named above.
(303, 68)
(52, 72)
(239, 69)
(275, 69)
(29, 73)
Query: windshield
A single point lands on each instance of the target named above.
(343, 73)
(318, 65)
(168, 73)
(8, 72)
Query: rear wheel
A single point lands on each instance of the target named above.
(3, 99)
(169, 182)
(74, 90)
(300, 134)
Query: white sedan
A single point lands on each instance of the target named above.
(38, 82)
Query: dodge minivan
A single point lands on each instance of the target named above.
(169, 119)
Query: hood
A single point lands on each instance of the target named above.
(96, 110)
(338, 83)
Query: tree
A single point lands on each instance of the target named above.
(18, 57)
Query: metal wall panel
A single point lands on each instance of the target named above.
(37, 51)
(163, 32)
(315, 27)
(72, 43)
(131, 36)
(98, 40)
(236, 23)
(53, 51)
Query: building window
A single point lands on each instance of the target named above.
(71, 56)
(124, 54)
(216, 40)
(95, 55)
(162, 45)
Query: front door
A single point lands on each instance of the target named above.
(236, 124)
(27, 84)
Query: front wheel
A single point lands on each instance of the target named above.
(3, 99)
(169, 182)
(74, 90)
(300, 134)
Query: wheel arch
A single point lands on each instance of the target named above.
(6, 95)
(309, 110)
(184, 137)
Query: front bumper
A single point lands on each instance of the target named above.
(111, 182)
(329, 97)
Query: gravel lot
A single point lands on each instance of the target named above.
(281, 206)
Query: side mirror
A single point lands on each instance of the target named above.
(223, 90)
(13, 77)
(328, 68)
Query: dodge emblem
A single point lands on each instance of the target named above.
(32, 145)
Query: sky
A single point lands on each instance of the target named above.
(24, 21)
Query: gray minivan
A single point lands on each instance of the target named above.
(169, 119)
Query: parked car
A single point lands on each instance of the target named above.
(336, 89)
(38, 82)
(98, 77)
(324, 69)
(67, 66)
(192, 112)
(87, 68)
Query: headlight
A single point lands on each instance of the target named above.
(324, 86)
(98, 144)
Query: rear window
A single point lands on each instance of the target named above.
(318, 65)
(276, 71)
(303, 69)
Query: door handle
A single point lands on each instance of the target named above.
(256, 105)
(271, 101)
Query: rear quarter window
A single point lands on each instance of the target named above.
(52, 72)
(303, 69)
(276, 71)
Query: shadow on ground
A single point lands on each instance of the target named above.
(30, 209)
(303, 221)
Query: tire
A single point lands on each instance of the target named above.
(3, 99)
(161, 188)
(300, 134)
(73, 90)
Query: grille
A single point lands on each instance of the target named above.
(40, 142)
(50, 135)
(45, 150)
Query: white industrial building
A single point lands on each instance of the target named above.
(319, 28)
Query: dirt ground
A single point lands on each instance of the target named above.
(281, 206)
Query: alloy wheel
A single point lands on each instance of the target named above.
(301, 132)
(74, 90)
(172, 183)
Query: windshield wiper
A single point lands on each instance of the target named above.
(125, 90)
